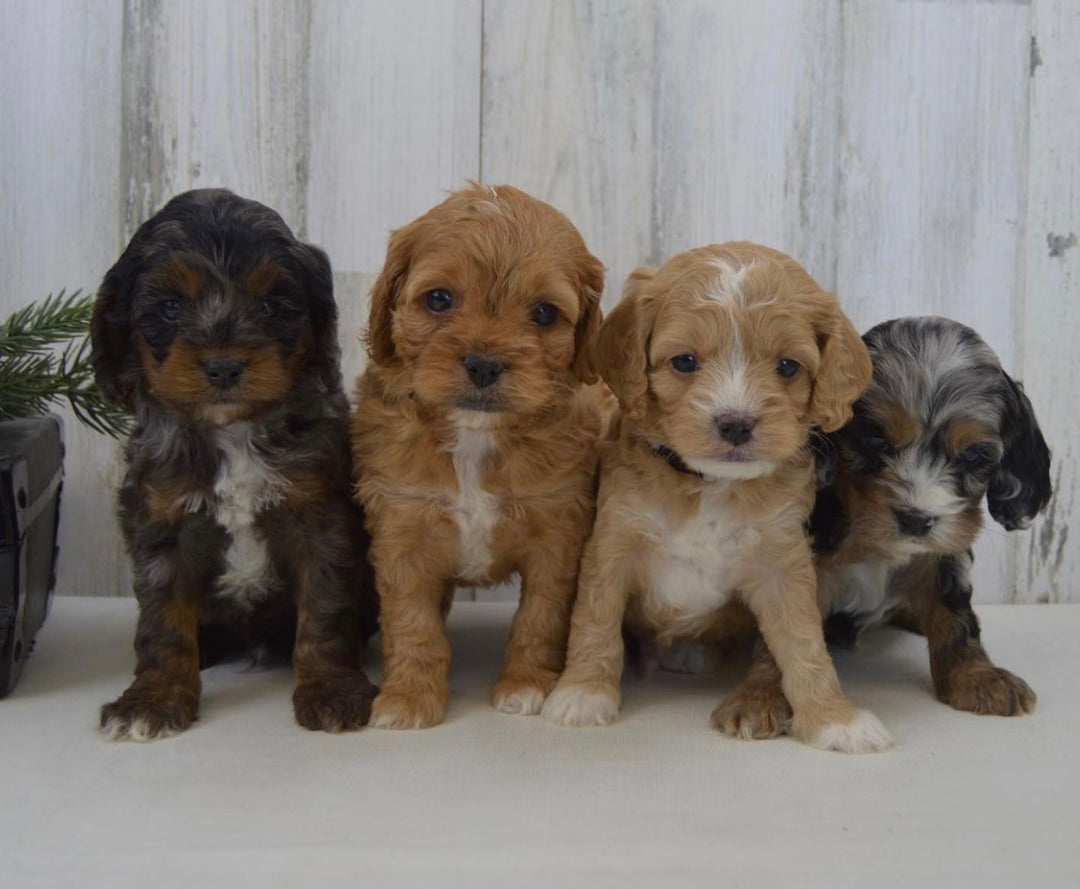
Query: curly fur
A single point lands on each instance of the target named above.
(940, 428)
(468, 477)
(218, 329)
(724, 361)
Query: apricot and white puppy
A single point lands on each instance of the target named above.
(475, 439)
(723, 361)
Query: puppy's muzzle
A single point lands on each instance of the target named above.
(914, 522)
(735, 428)
(483, 370)
(223, 373)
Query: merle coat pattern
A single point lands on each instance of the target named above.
(940, 429)
(217, 328)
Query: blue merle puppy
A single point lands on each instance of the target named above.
(218, 329)
(940, 428)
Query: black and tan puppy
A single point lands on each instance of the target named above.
(217, 328)
(940, 428)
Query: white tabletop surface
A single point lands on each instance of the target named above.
(246, 798)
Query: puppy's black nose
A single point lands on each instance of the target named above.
(483, 370)
(913, 522)
(735, 428)
(223, 373)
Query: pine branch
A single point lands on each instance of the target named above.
(33, 376)
(38, 327)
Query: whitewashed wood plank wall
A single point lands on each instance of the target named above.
(919, 157)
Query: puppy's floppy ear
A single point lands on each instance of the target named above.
(387, 291)
(621, 355)
(590, 286)
(1020, 486)
(115, 363)
(318, 281)
(845, 369)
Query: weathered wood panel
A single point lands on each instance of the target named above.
(1049, 564)
(748, 108)
(885, 144)
(215, 94)
(931, 206)
(394, 124)
(59, 228)
(569, 115)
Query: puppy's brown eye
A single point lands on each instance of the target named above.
(170, 311)
(439, 301)
(787, 368)
(545, 314)
(685, 364)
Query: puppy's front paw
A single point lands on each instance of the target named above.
(147, 714)
(987, 690)
(525, 700)
(581, 705)
(403, 708)
(523, 696)
(334, 703)
(753, 712)
(861, 733)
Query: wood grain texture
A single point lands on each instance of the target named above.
(659, 127)
(215, 95)
(59, 226)
(394, 124)
(918, 157)
(1049, 564)
(748, 110)
(931, 205)
(395, 118)
(569, 92)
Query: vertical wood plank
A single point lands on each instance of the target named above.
(394, 124)
(569, 116)
(1049, 567)
(215, 95)
(59, 227)
(661, 127)
(747, 122)
(932, 194)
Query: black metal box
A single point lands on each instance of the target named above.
(31, 472)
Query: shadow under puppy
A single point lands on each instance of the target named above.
(218, 329)
(940, 427)
(475, 438)
(723, 362)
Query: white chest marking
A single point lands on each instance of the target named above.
(475, 510)
(692, 567)
(244, 487)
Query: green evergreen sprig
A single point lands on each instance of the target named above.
(45, 356)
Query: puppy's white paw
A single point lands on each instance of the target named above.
(578, 705)
(145, 715)
(116, 728)
(523, 701)
(863, 734)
